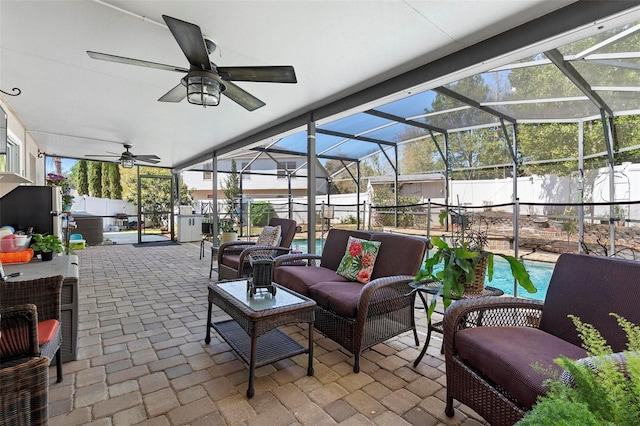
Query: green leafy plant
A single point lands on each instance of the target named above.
(454, 264)
(226, 226)
(603, 395)
(46, 243)
(261, 212)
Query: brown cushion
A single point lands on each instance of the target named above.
(590, 287)
(300, 278)
(505, 355)
(287, 229)
(339, 297)
(335, 245)
(231, 260)
(398, 255)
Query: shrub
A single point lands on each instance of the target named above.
(261, 212)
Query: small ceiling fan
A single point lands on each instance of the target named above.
(127, 159)
(204, 81)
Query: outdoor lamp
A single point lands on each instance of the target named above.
(202, 89)
(127, 163)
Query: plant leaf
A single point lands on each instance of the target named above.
(519, 272)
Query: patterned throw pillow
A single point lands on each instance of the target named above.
(359, 258)
(270, 236)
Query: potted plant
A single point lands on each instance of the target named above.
(47, 245)
(228, 231)
(461, 263)
(54, 179)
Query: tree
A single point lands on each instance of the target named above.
(231, 189)
(115, 181)
(105, 183)
(82, 182)
(95, 179)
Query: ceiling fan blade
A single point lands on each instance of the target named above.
(176, 94)
(268, 74)
(151, 161)
(131, 61)
(90, 155)
(242, 97)
(146, 157)
(190, 40)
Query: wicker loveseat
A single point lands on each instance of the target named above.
(356, 315)
(491, 344)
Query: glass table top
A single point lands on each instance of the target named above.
(262, 300)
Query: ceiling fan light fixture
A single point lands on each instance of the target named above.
(202, 89)
(127, 163)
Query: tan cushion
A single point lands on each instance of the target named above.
(270, 236)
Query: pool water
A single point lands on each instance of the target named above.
(539, 272)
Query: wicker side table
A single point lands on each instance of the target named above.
(425, 288)
(252, 332)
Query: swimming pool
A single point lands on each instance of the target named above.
(540, 273)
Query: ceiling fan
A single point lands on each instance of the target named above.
(204, 81)
(128, 159)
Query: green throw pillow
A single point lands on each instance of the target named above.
(359, 258)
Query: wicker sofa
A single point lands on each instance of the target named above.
(356, 315)
(492, 343)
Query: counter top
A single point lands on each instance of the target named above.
(60, 265)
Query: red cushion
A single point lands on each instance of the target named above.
(46, 330)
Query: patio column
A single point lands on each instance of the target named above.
(214, 196)
(311, 185)
(580, 184)
(606, 127)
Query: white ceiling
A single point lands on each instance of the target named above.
(74, 105)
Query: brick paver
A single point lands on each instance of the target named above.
(142, 359)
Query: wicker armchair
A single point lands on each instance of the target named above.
(233, 257)
(24, 389)
(24, 376)
(45, 294)
(491, 344)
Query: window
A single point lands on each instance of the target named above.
(13, 156)
(285, 166)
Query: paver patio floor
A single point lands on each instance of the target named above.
(142, 359)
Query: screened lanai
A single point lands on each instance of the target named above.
(563, 119)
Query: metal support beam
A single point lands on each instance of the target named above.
(512, 153)
(214, 196)
(303, 154)
(356, 137)
(311, 185)
(580, 184)
(405, 121)
(607, 128)
(475, 104)
(572, 74)
(396, 188)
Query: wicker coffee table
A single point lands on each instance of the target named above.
(253, 332)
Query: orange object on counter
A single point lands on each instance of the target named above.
(17, 256)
